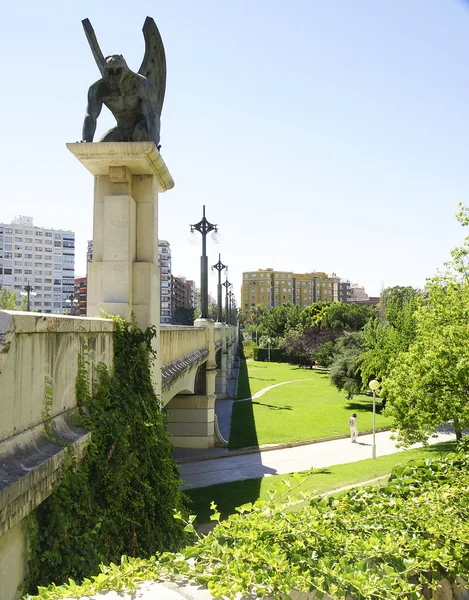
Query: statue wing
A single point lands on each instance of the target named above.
(95, 49)
(153, 66)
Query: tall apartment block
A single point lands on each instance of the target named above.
(182, 293)
(164, 262)
(274, 288)
(42, 257)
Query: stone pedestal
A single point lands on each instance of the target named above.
(124, 278)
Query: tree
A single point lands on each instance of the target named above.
(391, 332)
(183, 316)
(7, 299)
(345, 373)
(428, 384)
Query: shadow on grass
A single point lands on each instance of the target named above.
(365, 405)
(229, 496)
(272, 407)
(243, 427)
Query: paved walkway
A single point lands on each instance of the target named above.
(226, 468)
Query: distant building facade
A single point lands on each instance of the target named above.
(41, 257)
(274, 288)
(81, 296)
(164, 262)
(359, 296)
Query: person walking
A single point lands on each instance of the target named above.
(353, 428)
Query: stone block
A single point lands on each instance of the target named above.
(104, 325)
(65, 324)
(187, 401)
(122, 309)
(46, 324)
(147, 231)
(81, 324)
(188, 415)
(95, 287)
(119, 240)
(116, 282)
(202, 442)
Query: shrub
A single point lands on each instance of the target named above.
(262, 354)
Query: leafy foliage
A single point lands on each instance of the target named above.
(390, 333)
(345, 373)
(397, 541)
(119, 499)
(7, 299)
(428, 384)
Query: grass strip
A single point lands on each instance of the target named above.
(228, 496)
(309, 408)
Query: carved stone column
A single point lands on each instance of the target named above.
(124, 278)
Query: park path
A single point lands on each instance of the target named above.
(271, 387)
(237, 467)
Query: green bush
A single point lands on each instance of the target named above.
(262, 354)
(247, 348)
(369, 543)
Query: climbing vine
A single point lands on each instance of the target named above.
(399, 541)
(120, 498)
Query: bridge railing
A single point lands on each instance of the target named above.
(179, 340)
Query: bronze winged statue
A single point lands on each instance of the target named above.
(135, 99)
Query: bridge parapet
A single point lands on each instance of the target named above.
(179, 340)
(38, 371)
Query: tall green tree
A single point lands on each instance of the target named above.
(428, 385)
(345, 373)
(390, 332)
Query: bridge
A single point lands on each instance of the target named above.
(38, 369)
(39, 352)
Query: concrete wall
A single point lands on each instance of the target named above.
(38, 360)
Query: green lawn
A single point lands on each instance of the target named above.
(228, 496)
(308, 409)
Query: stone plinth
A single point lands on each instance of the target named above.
(124, 277)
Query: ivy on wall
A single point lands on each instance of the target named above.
(121, 497)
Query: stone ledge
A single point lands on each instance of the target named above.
(15, 321)
(141, 158)
(177, 368)
(28, 471)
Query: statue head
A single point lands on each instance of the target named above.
(116, 69)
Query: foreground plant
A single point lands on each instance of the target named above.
(386, 543)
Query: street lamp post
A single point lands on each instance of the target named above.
(227, 285)
(219, 267)
(204, 227)
(72, 303)
(231, 294)
(374, 386)
(28, 291)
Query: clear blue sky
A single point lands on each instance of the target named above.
(330, 135)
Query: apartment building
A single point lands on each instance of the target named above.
(81, 296)
(41, 257)
(164, 262)
(274, 288)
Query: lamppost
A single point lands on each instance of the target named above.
(268, 352)
(231, 294)
(374, 386)
(204, 227)
(28, 291)
(72, 303)
(227, 285)
(219, 267)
